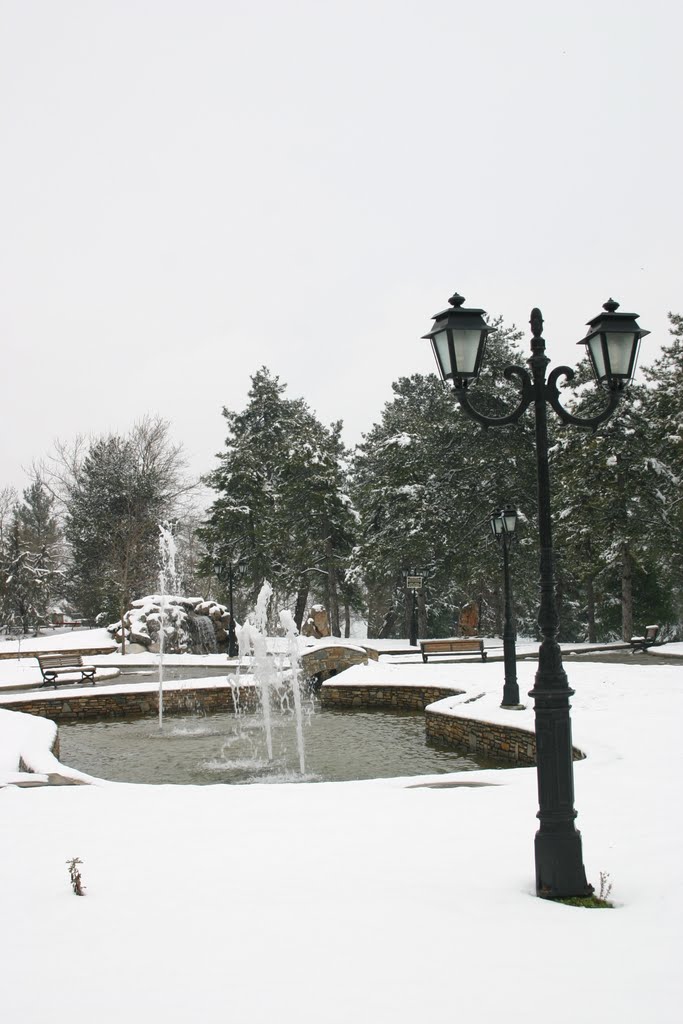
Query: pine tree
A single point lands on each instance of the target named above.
(608, 505)
(425, 480)
(663, 414)
(281, 513)
(31, 573)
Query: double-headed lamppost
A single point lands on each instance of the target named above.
(458, 339)
(503, 525)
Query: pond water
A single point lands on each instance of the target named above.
(204, 749)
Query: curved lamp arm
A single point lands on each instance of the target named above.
(553, 395)
(525, 401)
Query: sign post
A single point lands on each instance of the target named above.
(413, 584)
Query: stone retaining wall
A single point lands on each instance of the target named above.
(408, 698)
(485, 739)
(84, 651)
(100, 704)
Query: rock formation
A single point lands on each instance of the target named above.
(191, 625)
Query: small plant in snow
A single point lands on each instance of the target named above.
(596, 901)
(605, 886)
(75, 876)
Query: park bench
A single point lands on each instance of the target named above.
(453, 646)
(641, 643)
(64, 668)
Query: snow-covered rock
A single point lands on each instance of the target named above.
(191, 624)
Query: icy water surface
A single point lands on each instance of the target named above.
(200, 750)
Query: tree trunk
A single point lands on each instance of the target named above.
(421, 614)
(388, 625)
(626, 593)
(347, 620)
(333, 599)
(407, 611)
(301, 601)
(123, 628)
(559, 602)
(379, 600)
(590, 610)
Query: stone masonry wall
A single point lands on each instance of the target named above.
(100, 704)
(408, 698)
(485, 739)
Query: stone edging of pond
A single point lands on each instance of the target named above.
(491, 740)
(476, 736)
(141, 702)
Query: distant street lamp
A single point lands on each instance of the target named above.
(503, 525)
(233, 646)
(458, 339)
(413, 583)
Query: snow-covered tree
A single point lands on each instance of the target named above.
(116, 496)
(608, 507)
(31, 572)
(425, 480)
(281, 512)
(663, 414)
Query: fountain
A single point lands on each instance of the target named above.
(202, 634)
(269, 676)
(167, 576)
(289, 625)
(252, 641)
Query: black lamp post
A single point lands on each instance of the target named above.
(503, 526)
(412, 583)
(458, 338)
(233, 646)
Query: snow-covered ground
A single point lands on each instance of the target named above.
(377, 901)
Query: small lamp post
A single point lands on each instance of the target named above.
(233, 646)
(503, 525)
(413, 583)
(459, 338)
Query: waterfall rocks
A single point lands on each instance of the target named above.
(191, 625)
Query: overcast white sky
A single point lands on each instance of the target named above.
(190, 189)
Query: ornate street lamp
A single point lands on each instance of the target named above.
(612, 342)
(503, 525)
(459, 341)
(219, 569)
(233, 648)
(413, 583)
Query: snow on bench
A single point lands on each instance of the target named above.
(64, 668)
(641, 643)
(453, 646)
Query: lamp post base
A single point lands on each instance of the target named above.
(559, 866)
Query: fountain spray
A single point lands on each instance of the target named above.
(167, 576)
(289, 625)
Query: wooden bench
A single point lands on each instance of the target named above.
(641, 643)
(55, 666)
(453, 646)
